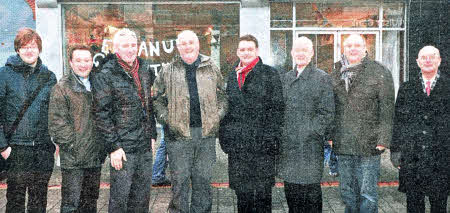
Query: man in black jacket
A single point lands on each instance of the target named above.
(421, 139)
(250, 132)
(28, 148)
(126, 123)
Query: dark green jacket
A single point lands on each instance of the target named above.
(364, 115)
(71, 124)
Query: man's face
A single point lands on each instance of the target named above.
(29, 53)
(247, 52)
(126, 48)
(354, 49)
(428, 60)
(81, 63)
(302, 53)
(189, 48)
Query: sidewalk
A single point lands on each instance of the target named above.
(224, 200)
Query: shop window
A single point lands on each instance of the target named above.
(336, 15)
(280, 15)
(156, 26)
(280, 46)
(393, 15)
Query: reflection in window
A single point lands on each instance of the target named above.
(156, 25)
(336, 15)
(393, 54)
(393, 14)
(281, 45)
(280, 15)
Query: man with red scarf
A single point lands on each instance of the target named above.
(250, 132)
(125, 123)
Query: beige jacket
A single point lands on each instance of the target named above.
(172, 97)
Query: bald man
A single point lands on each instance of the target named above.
(364, 97)
(421, 141)
(309, 99)
(190, 101)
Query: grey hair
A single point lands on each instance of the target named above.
(186, 33)
(122, 33)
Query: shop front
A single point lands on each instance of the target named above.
(219, 24)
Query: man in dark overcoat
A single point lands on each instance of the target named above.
(421, 140)
(250, 132)
(308, 94)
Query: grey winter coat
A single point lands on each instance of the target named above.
(309, 111)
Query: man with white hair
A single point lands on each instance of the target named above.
(125, 122)
(364, 98)
(421, 141)
(190, 101)
(308, 94)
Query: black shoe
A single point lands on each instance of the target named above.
(165, 182)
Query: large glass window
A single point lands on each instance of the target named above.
(327, 24)
(156, 25)
(336, 15)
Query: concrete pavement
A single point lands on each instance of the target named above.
(224, 199)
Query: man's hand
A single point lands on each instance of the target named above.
(6, 153)
(381, 148)
(153, 147)
(116, 158)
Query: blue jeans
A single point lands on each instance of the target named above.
(330, 158)
(358, 182)
(160, 165)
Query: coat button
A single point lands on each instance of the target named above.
(424, 147)
(425, 117)
(424, 132)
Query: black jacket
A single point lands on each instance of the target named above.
(17, 82)
(122, 121)
(250, 132)
(422, 136)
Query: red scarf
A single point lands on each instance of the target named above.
(134, 73)
(242, 72)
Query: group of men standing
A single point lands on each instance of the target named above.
(270, 123)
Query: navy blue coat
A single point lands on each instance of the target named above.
(17, 82)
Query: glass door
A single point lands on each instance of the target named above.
(328, 46)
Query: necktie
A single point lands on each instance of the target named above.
(428, 87)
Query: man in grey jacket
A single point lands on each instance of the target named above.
(190, 101)
(364, 97)
(309, 111)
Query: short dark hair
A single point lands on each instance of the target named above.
(249, 37)
(26, 35)
(74, 47)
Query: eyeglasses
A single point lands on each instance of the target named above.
(430, 57)
(27, 48)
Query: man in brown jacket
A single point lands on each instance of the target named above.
(190, 101)
(71, 126)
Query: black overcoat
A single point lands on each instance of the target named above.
(422, 135)
(250, 132)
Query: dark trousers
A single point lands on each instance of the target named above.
(415, 202)
(191, 161)
(258, 200)
(130, 186)
(305, 198)
(80, 189)
(30, 168)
